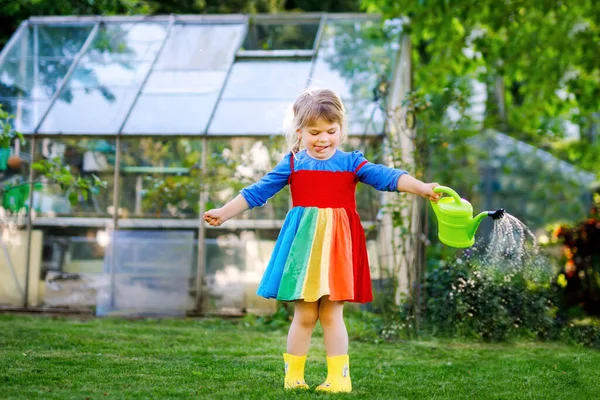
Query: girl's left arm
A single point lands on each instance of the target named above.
(409, 184)
(391, 179)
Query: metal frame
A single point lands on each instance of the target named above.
(354, 16)
(29, 225)
(286, 18)
(275, 54)
(317, 46)
(73, 19)
(201, 254)
(233, 224)
(213, 18)
(134, 136)
(36, 50)
(205, 18)
(12, 42)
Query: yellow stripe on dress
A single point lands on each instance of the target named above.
(311, 289)
(326, 253)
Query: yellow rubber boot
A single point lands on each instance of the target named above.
(338, 376)
(294, 372)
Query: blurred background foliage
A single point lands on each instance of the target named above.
(506, 98)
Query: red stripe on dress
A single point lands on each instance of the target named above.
(341, 271)
(291, 168)
(362, 164)
(363, 292)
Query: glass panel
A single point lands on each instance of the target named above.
(148, 272)
(355, 55)
(235, 263)
(200, 47)
(117, 73)
(72, 260)
(517, 175)
(53, 41)
(170, 114)
(84, 157)
(32, 78)
(27, 113)
(89, 111)
(354, 58)
(185, 82)
(236, 163)
(267, 80)
(249, 117)
(288, 36)
(160, 178)
(136, 41)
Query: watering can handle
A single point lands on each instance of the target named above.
(449, 191)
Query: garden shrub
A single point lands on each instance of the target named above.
(580, 277)
(586, 333)
(464, 301)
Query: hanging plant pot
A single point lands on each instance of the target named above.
(14, 162)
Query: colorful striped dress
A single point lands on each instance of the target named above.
(321, 249)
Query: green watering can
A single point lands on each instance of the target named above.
(456, 224)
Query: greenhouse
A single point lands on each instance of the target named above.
(176, 114)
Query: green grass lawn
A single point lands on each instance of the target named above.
(63, 358)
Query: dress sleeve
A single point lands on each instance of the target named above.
(258, 193)
(376, 175)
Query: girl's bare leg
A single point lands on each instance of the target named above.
(331, 315)
(305, 319)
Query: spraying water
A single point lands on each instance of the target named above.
(512, 249)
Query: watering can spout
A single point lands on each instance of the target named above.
(476, 222)
(496, 214)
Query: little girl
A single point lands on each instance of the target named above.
(320, 257)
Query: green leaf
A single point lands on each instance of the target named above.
(40, 166)
(73, 198)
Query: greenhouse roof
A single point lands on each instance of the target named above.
(191, 75)
(507, 151)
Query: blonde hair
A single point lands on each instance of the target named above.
(313, 105)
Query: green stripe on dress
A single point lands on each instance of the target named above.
(295, 268)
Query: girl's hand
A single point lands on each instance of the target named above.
(428, 193)
(215, 217)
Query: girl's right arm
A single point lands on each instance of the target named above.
(217, 216)
(255, 195)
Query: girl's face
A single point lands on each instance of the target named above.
(321, 139)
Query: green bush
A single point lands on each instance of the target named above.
(463, 301)
(586, 333)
